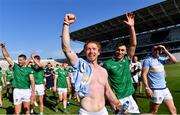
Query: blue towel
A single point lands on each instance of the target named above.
(81, 75)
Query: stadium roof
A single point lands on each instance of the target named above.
(163, 14)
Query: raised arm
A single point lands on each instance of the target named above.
(172, 58)
(70, 54)
(28, 61)
(6, 54)
(133, 42)
(36, 61)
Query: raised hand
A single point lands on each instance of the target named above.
(69, 19)
(32, 55)
(2, 45)
(161, 47)
(130, 19)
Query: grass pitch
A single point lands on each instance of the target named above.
(173, 83)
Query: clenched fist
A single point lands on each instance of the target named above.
(2, 45)
(69, 19)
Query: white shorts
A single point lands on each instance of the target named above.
(135, 79)
(160, 95)
(133, 108)
(61, 90)
(101, 112)
(21, 95)
(39, 89)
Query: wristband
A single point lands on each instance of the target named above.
(66, 23)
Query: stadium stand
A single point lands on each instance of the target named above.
(156, 24)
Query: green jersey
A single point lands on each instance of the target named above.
(38, 74)
(61, 80)
(119, 77)
(1, 77)
(9, 75)
(70, 69)
(21, 76)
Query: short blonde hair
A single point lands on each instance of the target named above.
(95, 42)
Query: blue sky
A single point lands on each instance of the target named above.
(28, 26)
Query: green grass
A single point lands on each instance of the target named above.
(173, 82)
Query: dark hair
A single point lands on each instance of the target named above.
(156, 48)
(37, 57)
(22, 55)
(121, 44)
(95, 42)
